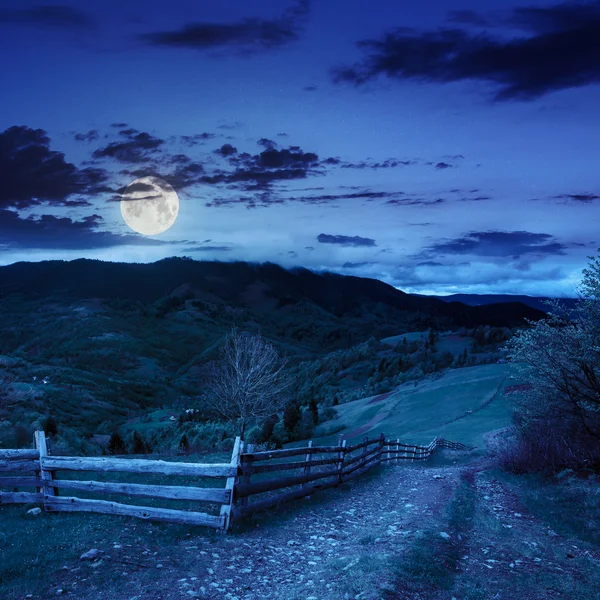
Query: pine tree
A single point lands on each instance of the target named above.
(116, 445)
(138, 446)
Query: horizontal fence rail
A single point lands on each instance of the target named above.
(35, 469)
(261, 475)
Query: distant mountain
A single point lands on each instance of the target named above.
(319, 310)
(485, 299)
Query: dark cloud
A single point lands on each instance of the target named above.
(500, 244)
(561, 50)
(91, 136)
(57, 17)
(137, 147)
(226, 150)
(50, 232)
(118, 125)
(195, 140)
(282, 135)
(267, 143)
(389, 163)
(443, 165)
(415, 201)
(327, 198)
(247, 35)
(345, 240)
(583, 198)
(310, 88)
(32, 173)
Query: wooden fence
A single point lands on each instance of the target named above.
(248, 474)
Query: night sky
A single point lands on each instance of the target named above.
(441, 146)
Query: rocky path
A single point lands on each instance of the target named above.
(346, 544)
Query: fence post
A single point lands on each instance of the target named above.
(341, 457)
(46, 476)
(381, 445)
(308, 460)
(397, 449)
(389, 447)
(246, 463)
(230, 485)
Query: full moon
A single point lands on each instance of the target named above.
(149, 205)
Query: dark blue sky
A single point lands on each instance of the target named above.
(441, 147)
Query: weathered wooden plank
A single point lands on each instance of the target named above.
(258, 487)
(19, 454)
(272, 454)
(169, 492)
(17, 466)
(67, 504)
(137, 465)
(20, 497)
(341, 457)
(45, 475)
(274, 501)
(307, 462)
(226, 510)
(292, 465)
(20, 482)
(246, 467)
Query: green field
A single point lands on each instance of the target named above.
(437, 406)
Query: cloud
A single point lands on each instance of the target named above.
(499, 244)
(443, 165)
(389, 163)
(137, 147)
(50, 232)
(209, 249)
(91, 136)
(356, 265)
(582, 198)
(57, 17)
(560, 50)
(226, 150)
(32, 173)
(247, 35)
(196, 139)
(267, 143)
(345, 240)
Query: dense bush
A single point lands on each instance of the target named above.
(558, 416)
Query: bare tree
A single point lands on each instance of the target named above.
(249, 381)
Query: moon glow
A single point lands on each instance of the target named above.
(149, 205)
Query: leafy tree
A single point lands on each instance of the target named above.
(559, 357)
(116, 444)
(249, 381)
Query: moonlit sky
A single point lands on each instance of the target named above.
(441, 147)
